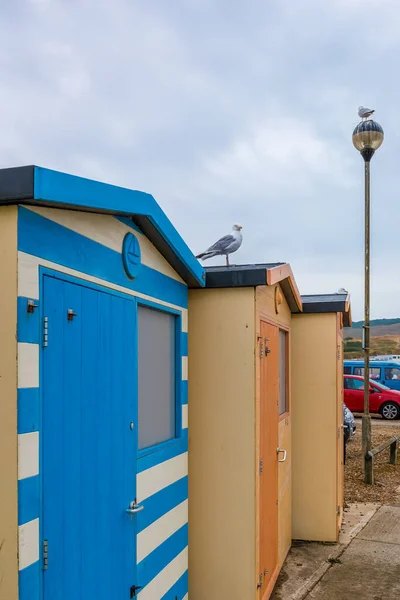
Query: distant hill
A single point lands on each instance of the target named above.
(379, 327)
(359, 324)
(385, 338)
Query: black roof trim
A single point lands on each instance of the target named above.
(324, 307)
(16, 183)
(238, 275)
(327, 303)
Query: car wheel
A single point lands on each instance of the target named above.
(390, 410)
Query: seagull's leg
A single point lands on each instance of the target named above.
(227, 260)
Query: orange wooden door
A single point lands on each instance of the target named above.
(268, 507)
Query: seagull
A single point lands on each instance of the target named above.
(364, 113)
(342, 291)
(225, 246)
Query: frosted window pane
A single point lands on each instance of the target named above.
(156, 376)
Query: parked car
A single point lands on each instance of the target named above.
(382, 399)
(349, 426)
(385, 372)
(349, 422)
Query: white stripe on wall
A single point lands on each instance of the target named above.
(28, 454)
(184, 416)
(28, 276)
(28, 365)
(185, 320)
(156, 478)
(155, 534)
(109, 232)
(28, 282)
(160, 585)
(28, 543)
(184, 368)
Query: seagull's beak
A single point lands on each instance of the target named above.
(240, 227)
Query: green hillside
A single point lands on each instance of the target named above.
(374, 322)
(385, 338)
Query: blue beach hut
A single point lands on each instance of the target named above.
(93, 391)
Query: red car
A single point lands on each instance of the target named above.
(382, 400)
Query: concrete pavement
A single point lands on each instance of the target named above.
(364, 565)
(369, 568)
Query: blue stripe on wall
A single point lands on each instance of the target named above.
(28, 499)
(29, 582)
(179, 589)
(48, 240)
(184, 391)
(160, 456)
(157, 560)
(60, 188)
(184, 343)
(28, 410)
(28, 323)
(159, 504)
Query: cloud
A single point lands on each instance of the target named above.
(226, 112)
(276, 151)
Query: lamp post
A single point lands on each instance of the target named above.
(367, 137)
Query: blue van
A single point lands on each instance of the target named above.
(385, 372)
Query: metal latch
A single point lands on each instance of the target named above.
(71, 314)
(135, 589)
(281, 451)
(31, 306)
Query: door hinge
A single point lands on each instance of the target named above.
(134, 590)
(338, 510)
(338, 433)
(260, 466)
(45, 555)
(45, 341)
(261, 348)
(260, 581)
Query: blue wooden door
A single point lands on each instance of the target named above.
(88, 445)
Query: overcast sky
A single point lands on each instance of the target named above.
(227, 111)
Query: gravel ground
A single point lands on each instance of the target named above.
(387, 476)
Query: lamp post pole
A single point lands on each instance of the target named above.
(367, 137)
(366, 418)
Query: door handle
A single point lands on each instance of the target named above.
(134, 508)
(280, 451)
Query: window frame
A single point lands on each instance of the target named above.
(387, 368)
(142, 452)
(362, 371)
(286, 413)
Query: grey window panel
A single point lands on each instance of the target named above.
(157, 385)
(282, 372)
